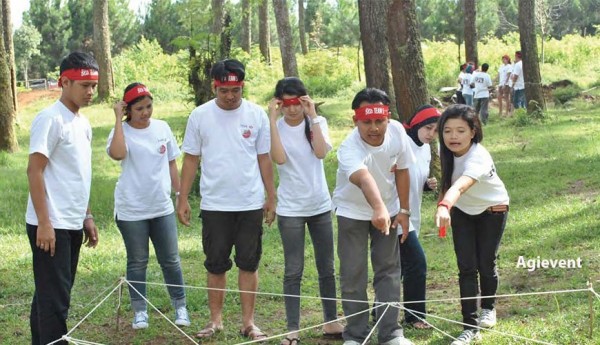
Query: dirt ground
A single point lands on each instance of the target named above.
(26, 97)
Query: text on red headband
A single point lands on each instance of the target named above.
(371, 111)
(79, 74)
(135, 92)
(231, 80)
(424, 115)
(291, 101)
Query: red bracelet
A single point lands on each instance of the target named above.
(444, 204)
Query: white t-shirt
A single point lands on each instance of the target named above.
(143, 190)
(467, 78)
(482, 82)
(381, 161)
(488, 191)
(504, 74)
(228, 142)
(65, 139)
(518, 71)
(419, 172)
(302, 189)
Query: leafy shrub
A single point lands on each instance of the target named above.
(562, 95)
(326, 72)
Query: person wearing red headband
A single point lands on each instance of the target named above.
(421, 128)
(474, 200)
(232, 136)
(144, 210)
(518, 80)
(299, 143)
(371, 198)
(60, 174)
(504, 85)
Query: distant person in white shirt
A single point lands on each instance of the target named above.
(232, 137)
(482, 82)
(58, 218)
(144, 211)
(465, 81)
(519, 100)
(504, 86)
(299, 143)
(474, 201)
(371, 198)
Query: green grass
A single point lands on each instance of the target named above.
(550, 170)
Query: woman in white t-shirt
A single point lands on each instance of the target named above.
(144, 210)
(299, 142)
(504, 84)
(474, 201)
(421, 128)
(465, 81)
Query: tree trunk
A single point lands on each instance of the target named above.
(217, 10)
(531, 66)
(284, 32)
(264, 35)
(102, 50)
(470, 15)
(10, 49)
(302, 27)
(408, 69)
(8, 139)
(375, 52)
(246, 27)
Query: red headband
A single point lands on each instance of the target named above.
(423, 115)
(231, 80)
(135, 92)
(79, 74)
(291, 101)
(371, 111)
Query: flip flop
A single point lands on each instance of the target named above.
(290, 341)
(418, 325)
(253, 333)
(208, 331)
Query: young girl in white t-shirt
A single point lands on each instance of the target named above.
(474, 201)
(299, 142)
(144, 210)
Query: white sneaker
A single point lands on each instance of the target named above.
(487, 318)
(466, 337)
(398, 341)
(181, 317)
(140, 320)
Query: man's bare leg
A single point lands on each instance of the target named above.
(248, 281)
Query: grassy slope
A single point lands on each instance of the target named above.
(550, 171)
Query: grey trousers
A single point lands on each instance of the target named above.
(481, 108)
(353, 249)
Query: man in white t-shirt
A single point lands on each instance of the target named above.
(371, 197)
(482, 81)
(518, 83)
(59, 174)
(232, 137)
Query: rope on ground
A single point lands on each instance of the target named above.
(387, 306)
(429, 323)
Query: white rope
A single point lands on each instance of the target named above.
(159, 312)
(387, 306)
(80, 341)
(412, 312)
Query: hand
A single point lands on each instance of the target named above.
(120, 109)
(381, 220)
(309, 106)
(442, 217)
(432, 183)
(183, 210)
(46, 238)
(274, 108)
(269, 211)
(402, 219)
(90, 231)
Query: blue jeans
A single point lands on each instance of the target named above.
(476, 242)
(519, 99)
(414, 275)
(53, 277)
(468, 99)
(356, 240)
(292, 230)
(163, 233)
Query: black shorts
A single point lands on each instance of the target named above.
(222, 230)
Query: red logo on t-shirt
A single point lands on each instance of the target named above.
(246, 133)
(162, 149)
